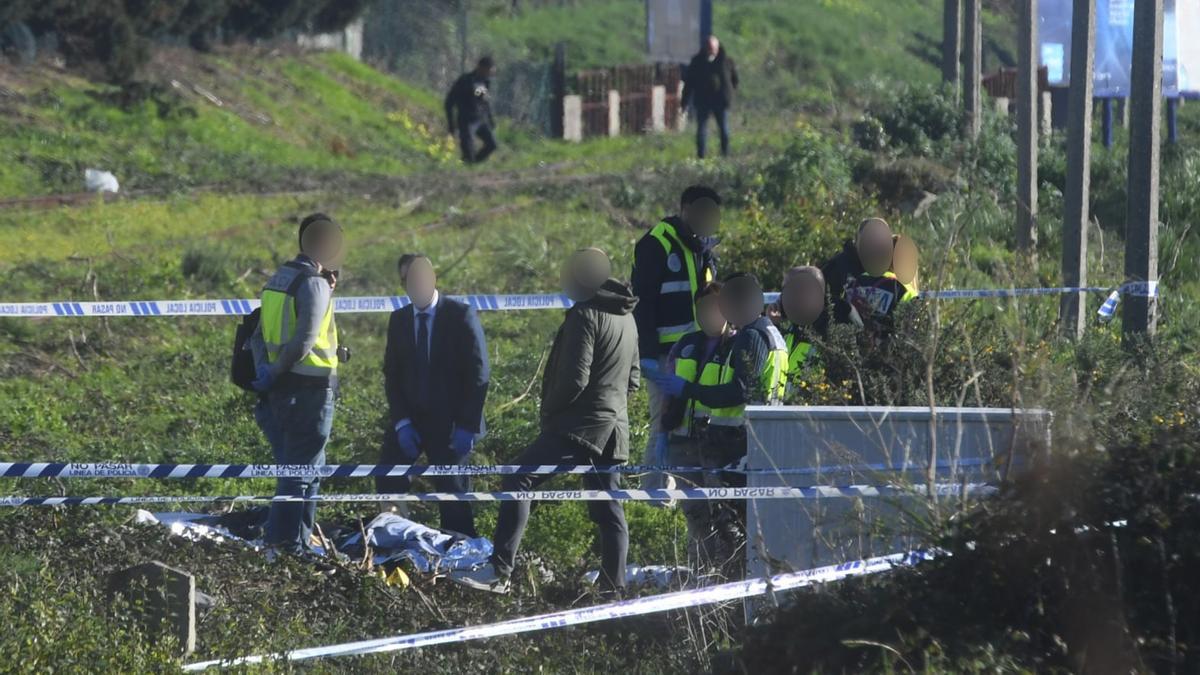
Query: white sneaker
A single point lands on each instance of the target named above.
(484, 579)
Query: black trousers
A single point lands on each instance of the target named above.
(609, 516)
(467, 133)
(455, 516)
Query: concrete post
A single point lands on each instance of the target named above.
(614, 113)
(1072, 315)
(1139, 315)
(972, 68)
(681, 119)
(1046, 114)
(658, 108)
(1027, 132)
(952, 41)
(572, 122)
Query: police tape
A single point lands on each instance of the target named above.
(483, 303)
(185, 471)
(681, 494)
(239, 307)
(737, 590)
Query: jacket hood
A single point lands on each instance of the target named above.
(614, 297)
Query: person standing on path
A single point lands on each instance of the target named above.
(708, 85)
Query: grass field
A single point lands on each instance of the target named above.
(218, 190)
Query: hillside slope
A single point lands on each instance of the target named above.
(239, 119)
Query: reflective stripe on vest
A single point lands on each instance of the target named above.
(774, 382)
(667, 236)
(278, 321)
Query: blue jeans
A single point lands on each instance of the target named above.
(297, 423)
(722, 115)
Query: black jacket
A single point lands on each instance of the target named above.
(710, 84)
(592, 369)
(459, 372)
(839, 271)
(471, 97)
(649, 267)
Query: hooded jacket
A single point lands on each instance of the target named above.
(710, 84)
(592, 369)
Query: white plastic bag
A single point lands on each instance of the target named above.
(96, 180)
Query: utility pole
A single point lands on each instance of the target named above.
(1027, 133)
(462, 36)
(1072, 316)
(1139, 316)
(973, 68)
(952, 41)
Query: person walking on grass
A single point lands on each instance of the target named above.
(471, 99)
(592, 369)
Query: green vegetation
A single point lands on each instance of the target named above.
(347, 140)
(240, 122)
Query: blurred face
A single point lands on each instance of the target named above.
(803, 298)
(741, 301)
(874, 246)
(322, 241)
(420, 282)
(709, 316)
(703, 216)
(584, 273)
(712, 46)
(905, 260)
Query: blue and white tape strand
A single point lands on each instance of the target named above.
(183, 471)
(686, 494)
(239, 307)
(483, 303)
(737, 590)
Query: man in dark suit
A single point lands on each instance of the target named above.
(435, 370)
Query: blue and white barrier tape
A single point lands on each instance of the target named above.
(483, 303)
(239, 307)
(687, 494)
(180, 471)
(737, 590)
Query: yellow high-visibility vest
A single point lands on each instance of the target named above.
(278, 321)
(684, 281)
(774, 382)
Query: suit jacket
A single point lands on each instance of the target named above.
(458, 371)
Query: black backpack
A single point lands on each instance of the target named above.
(242, 371)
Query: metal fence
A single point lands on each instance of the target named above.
(634, 84)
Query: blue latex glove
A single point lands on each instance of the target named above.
(462, 442)
(671, 385)
(263, 379)
(649, 367)
(410, 442)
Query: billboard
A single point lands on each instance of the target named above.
(1114, 45)
(672, 30)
